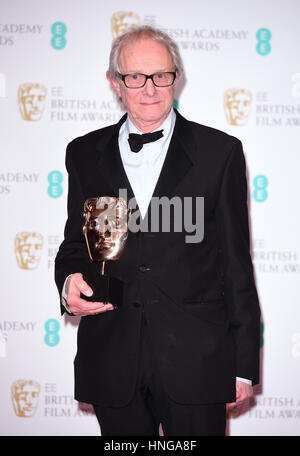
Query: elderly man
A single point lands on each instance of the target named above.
(186, 339)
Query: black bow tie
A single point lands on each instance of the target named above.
(136, 141)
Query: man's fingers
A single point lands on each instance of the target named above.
(241, 400)
(231, 405)
(82, 286)
(244, 393)
(81, 307)
(100, 308)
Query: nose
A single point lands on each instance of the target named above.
(149, 88)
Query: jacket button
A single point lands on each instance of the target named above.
(144, 268)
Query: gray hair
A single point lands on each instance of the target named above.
(133, 35)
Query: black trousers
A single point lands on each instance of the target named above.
(151, 406)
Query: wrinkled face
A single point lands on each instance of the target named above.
(105, 227)
(147, 106)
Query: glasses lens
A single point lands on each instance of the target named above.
(163, 79)
(135, 80)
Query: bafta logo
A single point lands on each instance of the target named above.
(25, 396)
(28, 249)
(31, 100)
(122, 20)
(237, 105)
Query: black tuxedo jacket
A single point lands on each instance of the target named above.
(199, 299)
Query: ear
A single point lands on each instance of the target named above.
(114, 83)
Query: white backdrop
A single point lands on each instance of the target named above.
(53, 59)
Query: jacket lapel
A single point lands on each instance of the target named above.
(110, 163)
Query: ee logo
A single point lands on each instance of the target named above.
(52, 327)
(58, 40)
(55, 179)
(263, 46)
(260, 193)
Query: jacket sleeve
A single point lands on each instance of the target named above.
(72, 255)
(239, 285)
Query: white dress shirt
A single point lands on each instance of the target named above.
(143, 168)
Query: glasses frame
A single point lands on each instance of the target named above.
(148, 76)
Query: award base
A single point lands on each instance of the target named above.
(105, 289)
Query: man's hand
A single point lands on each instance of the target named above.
(244, 394)
(78, 306)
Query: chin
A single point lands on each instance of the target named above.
(153, 114)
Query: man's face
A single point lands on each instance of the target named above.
(148, 106)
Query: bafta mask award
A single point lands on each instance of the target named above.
(106, 230)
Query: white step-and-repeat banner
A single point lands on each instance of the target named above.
(242, 75)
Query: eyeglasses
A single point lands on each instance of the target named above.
(138, 80)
